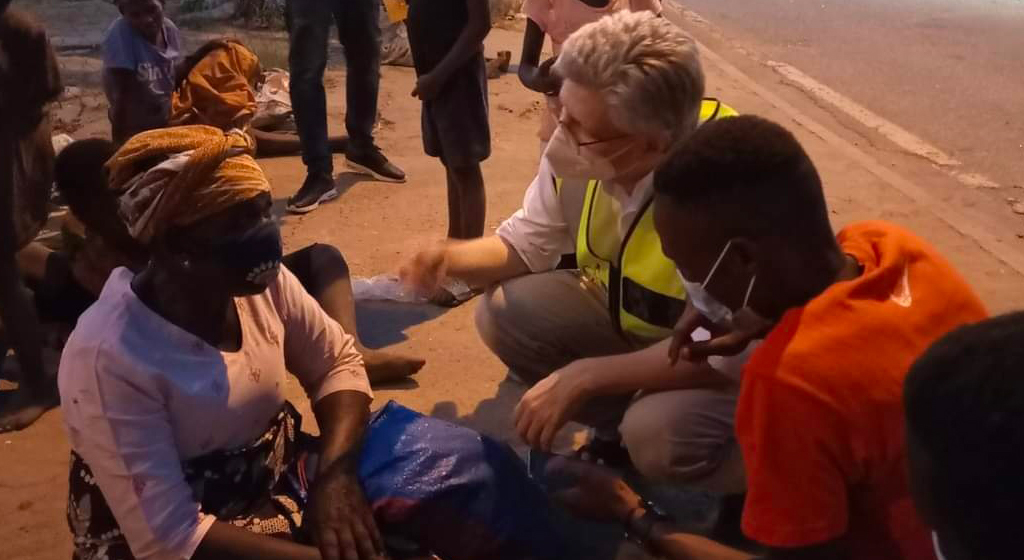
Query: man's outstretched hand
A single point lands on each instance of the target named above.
(427, 270)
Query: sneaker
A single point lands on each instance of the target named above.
(376, 165)
(317, 189)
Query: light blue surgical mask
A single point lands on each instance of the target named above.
(712, 309)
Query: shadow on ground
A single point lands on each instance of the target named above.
(383, 323)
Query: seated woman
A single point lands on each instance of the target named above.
(75, 279)
(173, 383)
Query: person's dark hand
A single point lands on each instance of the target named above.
(342, 523)
(595, 493)
(745, 328)
(542, 80)
(428, 87)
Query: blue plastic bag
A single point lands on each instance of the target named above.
(462, 495)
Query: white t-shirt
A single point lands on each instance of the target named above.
(140, 396)
(540, 233)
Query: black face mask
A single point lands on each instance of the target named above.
(253, 258)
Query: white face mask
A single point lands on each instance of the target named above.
(571, 161)
(712, 309)
(938, 549)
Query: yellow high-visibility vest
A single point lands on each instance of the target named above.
(645, 294)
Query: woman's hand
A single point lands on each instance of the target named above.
(549, 404)
(342, 522)
(595, 493)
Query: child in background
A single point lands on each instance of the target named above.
(446, 38)
(559, 19)
(140, 54)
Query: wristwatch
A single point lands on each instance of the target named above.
(639, 530)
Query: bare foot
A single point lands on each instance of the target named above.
(23, 408)
(384, 367)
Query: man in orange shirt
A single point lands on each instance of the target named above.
(740, 210)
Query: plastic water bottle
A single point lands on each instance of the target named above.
(386, 287)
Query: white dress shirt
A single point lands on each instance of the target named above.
(540, 232)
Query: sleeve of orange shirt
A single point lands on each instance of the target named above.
(796, 473)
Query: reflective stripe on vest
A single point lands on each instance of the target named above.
(645, 294)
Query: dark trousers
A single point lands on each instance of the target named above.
(359, 32)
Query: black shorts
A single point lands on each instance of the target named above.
(456, 127)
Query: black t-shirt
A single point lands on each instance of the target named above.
(434, 26)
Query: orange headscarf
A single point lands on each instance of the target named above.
(203, 170)
(218, 91)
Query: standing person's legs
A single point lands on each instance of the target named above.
(359, 32)
(322, 270)
(309, 24)
(467, 202)
(308, 29)
(19, 323)
(456, 129)
(539, 323)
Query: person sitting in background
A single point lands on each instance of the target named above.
(141, 52)
(29, 81)
(447, 42)
(964, 401)
(559, 19)
(107, 245)
(183, 443)
(218, 88)
(820, 416)
(592, 341)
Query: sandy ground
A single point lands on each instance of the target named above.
(376, 225)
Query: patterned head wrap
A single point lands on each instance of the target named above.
(201, 170)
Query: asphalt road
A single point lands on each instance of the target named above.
(949, 71)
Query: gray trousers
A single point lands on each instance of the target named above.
(539, 323)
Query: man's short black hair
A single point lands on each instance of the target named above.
(752, 177)
(964, 402)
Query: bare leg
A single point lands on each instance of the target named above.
(467, 202)
(325, 275)
(274, 144)
(37, 391)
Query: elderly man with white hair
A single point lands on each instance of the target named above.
(592, 339)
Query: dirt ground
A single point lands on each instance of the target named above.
(377, 225)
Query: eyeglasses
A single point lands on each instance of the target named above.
(576, 142)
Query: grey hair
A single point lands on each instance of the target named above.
(647, 69)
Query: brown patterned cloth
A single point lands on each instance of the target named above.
(261, 487)
(204, 170)
(29, 81)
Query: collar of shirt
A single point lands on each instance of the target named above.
(630, 203)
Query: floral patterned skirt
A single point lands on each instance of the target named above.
(261, 487)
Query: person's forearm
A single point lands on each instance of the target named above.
(671, 544)
(342, 417)
(469, 43)
(483, 262)
(224, 541)
(529, 63)
(32, 260)
(648, 370)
